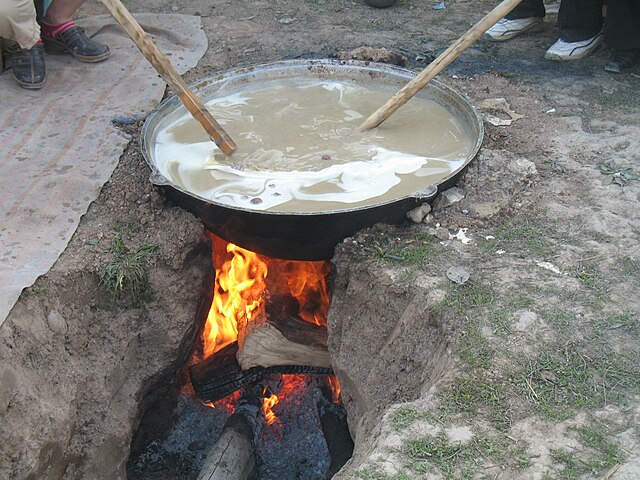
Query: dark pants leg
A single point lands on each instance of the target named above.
(528, 8)
(622, 26)
(580, 19)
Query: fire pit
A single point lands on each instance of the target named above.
(262, 370)
(307, 235)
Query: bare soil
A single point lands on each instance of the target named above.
(529, 369)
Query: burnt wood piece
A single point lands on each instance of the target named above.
(333, 420)
(281, 337)
(221, 375)
(233, 456)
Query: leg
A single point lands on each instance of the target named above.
(528, 8)
(622, 26)
(580, 23)
(62, 11)
(580, 19)
(622, 34)
(61, 34)
(18, 23)
(526, 17)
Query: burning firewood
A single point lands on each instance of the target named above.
(221, 375)
(281, 337)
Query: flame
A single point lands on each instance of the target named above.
(307, 283)
(334, 387)
(237, 295)
(244, 280)
(267, 404)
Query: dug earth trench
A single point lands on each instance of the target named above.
(520, 362)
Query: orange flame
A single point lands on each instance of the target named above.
(267, 404)
(334, 387)
(237, 295)
(241, 284)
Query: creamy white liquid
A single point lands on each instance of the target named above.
(297, 153)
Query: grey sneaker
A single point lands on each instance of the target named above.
(506, 29)
(566, 51)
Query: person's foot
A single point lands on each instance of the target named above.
(74, 41)
(566, 51)
(506, 29)
(28, 66)
(622, 60)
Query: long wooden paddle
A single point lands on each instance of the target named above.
(162, 65)
(439, 64)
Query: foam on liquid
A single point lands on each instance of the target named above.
(297, 153)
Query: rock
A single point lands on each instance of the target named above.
(442, 233)
(418, 214)
(368, 54)
(524, 320)
(56, 322)
(451, 196)
(429, 219)
(458, 275)
(522, 166)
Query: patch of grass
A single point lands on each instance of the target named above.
(467, 296)
(600, 455)
(34, 290)
(409, 251)
(375, 472)
(559, 319)
(524, 237)
(406, 415)
(559, 383)
(625, 321)
(460, 460)
(472, 396)
(475, 350)
(590, 276)
(126, 272)
(629, 267)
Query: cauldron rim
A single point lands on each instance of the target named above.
(173, 102)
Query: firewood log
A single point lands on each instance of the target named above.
(233, 456)
(221, 375)
(281, 337)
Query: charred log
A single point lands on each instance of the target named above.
(221, 375)
(333, 419)
(233, 456)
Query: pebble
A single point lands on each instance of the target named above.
(56, 322)
(442, 233)
(418, 214)
(458, 275)
(451, 196)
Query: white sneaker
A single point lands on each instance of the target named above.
(506, 29)
(565, 51)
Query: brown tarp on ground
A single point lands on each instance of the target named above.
(58, 146)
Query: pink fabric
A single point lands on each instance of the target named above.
(55, 30)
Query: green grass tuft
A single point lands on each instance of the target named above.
(126, 271)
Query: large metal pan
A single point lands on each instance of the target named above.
(305, 235)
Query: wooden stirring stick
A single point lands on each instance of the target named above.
(439, 64)
(162, 65)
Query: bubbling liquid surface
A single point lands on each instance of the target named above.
(297, 151)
